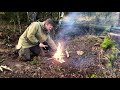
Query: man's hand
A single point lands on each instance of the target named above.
(42, 45)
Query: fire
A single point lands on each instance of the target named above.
(58, 56)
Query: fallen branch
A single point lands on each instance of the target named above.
(49, 58)
(4, 67)
(2, 60)
(54, 58)
(102, 37)
(67, 53)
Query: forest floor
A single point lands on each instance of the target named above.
(90, 64)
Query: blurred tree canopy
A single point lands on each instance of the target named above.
(88, 22)
(28, 17)
(94, 18)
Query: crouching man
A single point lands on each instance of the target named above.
(35, 39)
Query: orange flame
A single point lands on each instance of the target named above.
(59, 55)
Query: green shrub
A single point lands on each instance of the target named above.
(94, 76)
(112, 56)
(107, 43)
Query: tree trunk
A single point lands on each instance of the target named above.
(43, 15)
(38, 16)
(14, 26)
(31, 16)
(119, 19)
(51, 15)
(59, 14)
(28, 17)
(18, 18)
(62, 14)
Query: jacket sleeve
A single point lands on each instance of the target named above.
(31, 33)
(52, 43)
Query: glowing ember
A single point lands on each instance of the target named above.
(59, 55)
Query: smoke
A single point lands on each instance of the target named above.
(67, 25)
(81, 23)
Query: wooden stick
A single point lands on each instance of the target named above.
(2, 61)
(50, 58)
(67, 53)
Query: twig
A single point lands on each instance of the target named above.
(2, 60)
(49, 58)
(67, 53)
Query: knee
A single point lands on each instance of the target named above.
(24, 55)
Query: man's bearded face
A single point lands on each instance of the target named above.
(49, 27)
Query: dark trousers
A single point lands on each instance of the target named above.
(29, 53)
